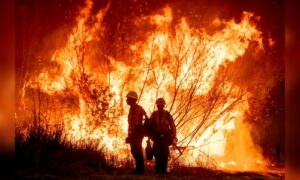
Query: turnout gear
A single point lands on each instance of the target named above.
(135, 131)
(161, 153)
(161, 129)
(162, 123)
(137, 153)
(135, 120)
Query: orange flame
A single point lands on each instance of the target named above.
(182, 64)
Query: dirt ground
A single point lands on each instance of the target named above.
(154, 177)
(272, 174)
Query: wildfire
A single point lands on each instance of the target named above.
(180, 63)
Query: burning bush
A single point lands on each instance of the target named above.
(82, 93)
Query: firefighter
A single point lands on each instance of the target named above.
(135, 131)
(163, 134)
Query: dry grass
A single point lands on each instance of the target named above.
(47, 153)
(46, 156)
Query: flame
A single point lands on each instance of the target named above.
(182, 64)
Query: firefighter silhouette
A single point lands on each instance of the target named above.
(135, 131)
(162, 131)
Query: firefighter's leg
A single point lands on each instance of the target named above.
(161, 164)
(136, 151)
(164, 157)
(157, 155)
(164, 164)
(161, 153)
(157, 164)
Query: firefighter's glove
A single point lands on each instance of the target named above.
(174, 141)
(127, 140)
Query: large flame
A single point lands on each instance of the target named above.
(185, 65)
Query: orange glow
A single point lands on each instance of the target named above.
(183, 65)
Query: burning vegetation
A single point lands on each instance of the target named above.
(79, 90)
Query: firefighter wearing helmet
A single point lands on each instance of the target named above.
(136, 117)
(163, 134)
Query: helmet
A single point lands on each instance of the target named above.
(132, 95)
(160, 100)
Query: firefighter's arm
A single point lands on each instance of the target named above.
(172, 126)
(145, 115)
(151, 119)
(173, 130)
(149, 126)
(128, 138)
(146, 119)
